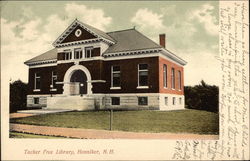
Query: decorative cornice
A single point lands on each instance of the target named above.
(41, 62)
(173, 56)
(123, 54)
(78, 42)
(132, 52)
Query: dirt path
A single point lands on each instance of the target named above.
(17, 115)
(103, 134)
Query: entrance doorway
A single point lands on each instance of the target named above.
(77, 80)
(78, 83)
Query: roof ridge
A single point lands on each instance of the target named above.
(89, 26)
(120, 30)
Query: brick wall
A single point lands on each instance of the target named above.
(177, 68)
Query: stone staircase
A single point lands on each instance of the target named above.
(71, 102)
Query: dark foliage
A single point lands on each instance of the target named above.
(202, 97)
(18, 93)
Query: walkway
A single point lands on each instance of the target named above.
(18, 115)
(103, 134)
(27, 113)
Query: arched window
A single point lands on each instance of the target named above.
(179, 80)
(173, 78)
(165, 75)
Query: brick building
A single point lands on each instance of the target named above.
(90, 69)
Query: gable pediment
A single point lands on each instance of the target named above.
(78, 34)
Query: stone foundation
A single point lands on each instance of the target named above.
(156, 101)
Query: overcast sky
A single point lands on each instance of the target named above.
(29, 29)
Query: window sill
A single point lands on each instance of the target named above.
(36, 90)
(173, 88)
(142, 87)
(53, 89)
(113, 88)
(165, 87)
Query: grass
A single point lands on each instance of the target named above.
(25, 135)
(181, 121)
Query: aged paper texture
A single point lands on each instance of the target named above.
(233, 143)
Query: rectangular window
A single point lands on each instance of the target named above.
(173, 78)
(174, 101)
(36, 100)
(179, 80)
(180, 101)
(115, 76)
(165, 80)
(78, 54)
(166, 101)
(142, 100)
(67, 55)
(88, 52)
(115, 100)
(143, 75)
(37, 82)
(53, 79)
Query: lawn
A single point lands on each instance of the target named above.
(24, 135)
(181, 121)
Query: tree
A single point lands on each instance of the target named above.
(202, 97)
(18, 95)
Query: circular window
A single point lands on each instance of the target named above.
(78, 32)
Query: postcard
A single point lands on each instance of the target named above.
(125, 80)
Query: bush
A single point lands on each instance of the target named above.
(202, 97)
(18, 95)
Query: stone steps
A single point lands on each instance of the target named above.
(71, 102)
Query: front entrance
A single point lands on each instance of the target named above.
(78, 83)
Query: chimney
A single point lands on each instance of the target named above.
(162, 39)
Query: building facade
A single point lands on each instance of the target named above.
(89, 69)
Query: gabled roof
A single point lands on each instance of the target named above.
(128, 40)
(122, 41)
(91, 29)
(97, 31)
(49, 55)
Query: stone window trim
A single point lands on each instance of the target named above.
(37, 79)
(142, 71)
(173, 78)
(115, 101)
(165, 76)
(179, 80)
(115, 72)
(174, 101)
(180, 101)
(88, 51)
(36, 100)
(166, 101)
(142, 100)
(67, 54)
(53, 78)
(78, 54)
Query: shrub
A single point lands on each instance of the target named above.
(18, 95)
(202, 97)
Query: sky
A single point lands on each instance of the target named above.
(29, 28)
